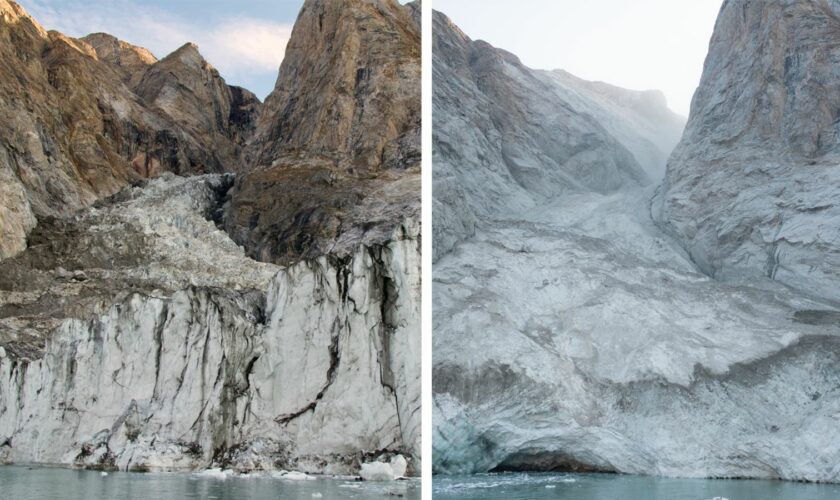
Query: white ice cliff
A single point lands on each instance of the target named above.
(571, 331)
(239, 363)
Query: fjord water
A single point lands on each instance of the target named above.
(539, 486)
(43, 483)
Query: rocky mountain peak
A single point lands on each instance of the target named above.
(131, 60)
(75, 132)
(61, 40)
(187, 88)
(189, 55)
(11, 11)
(359, 99)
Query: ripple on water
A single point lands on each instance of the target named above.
(556, 486)
(42, 483)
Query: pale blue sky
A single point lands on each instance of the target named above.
(637, 44)
(244, 40)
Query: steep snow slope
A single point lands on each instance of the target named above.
(508, 138)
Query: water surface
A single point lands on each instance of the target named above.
(19, 482)
(539, 486)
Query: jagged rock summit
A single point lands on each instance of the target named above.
(131, 60)
(145, 321)
(366, 78)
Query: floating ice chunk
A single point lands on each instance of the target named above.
(550, 486)
(295, 476)
(215, 473)
(317, 495)
(103, 473)
(399, 465)
(377, 471)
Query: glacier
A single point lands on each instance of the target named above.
(575, 329)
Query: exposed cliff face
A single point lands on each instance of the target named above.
(338, 140)
(508, 138)
(366, 77)
(571, 333)
(752, 188)
(134, 332)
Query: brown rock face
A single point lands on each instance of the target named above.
(75, 131)
(350, 68)
(55, 151)
(335, 159)
(187, 88)
(131, 61)
(753, 188)
(329, 162)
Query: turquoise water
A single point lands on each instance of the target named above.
(515, 486)
(19, 483)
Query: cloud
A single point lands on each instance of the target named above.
(244, 49)
(248, 44)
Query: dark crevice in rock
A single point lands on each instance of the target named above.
(249, 369)
(342, 272)
(160, 326)
(388, 290)
(335, 359)
(221, 196)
